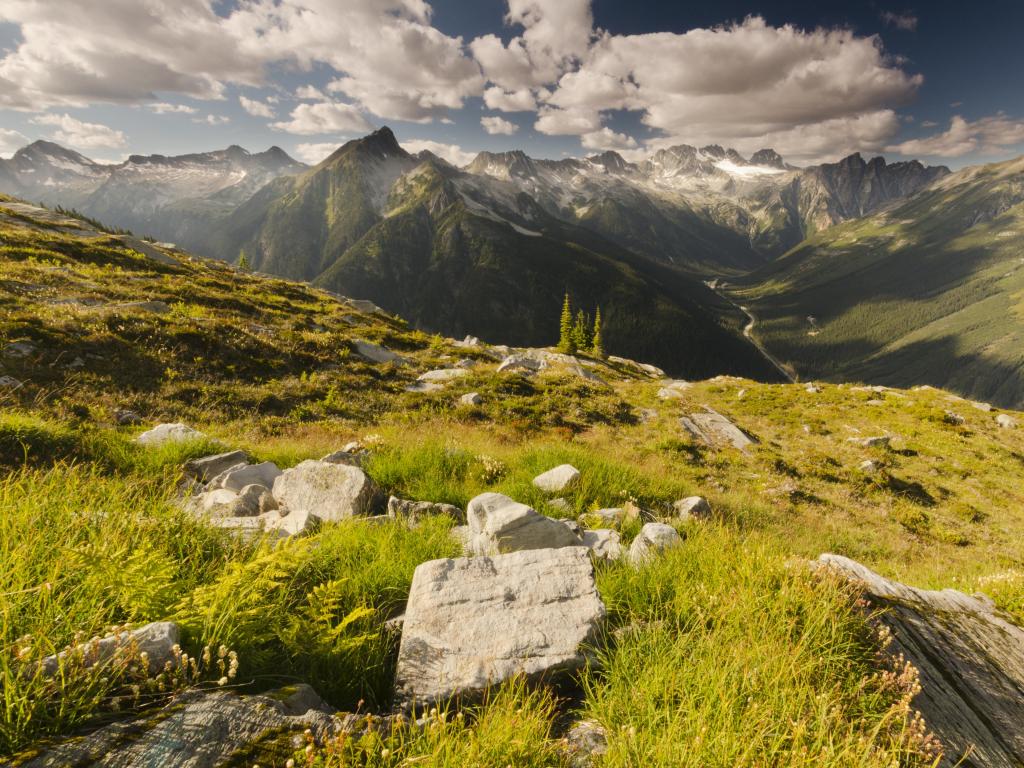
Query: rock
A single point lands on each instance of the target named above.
(377, 354)
(332, 492)
(646, 368)
(522, 364)
(879, 441)
(201, 729)
(9, 382)
(674, 390)
(982, 406)
(604, 543)
(293, 523)
(469, 341)
(1006, 421)
(210, 466)
(868, 467)
(424, 386)
(19, 349)
(124, 417)
(168, 433)
(471, 398)
(499, 524)
(561, 478)
(653, 539)
(157, 640)
(560, 505)
(573, 526)
(414, 511)
(612, 517)
(352, 458)
(713, 429)
(367, 307)
(471, 623)
(692, 507)
(812, 389)
(970, 660)
(586, 741)
(953, 418)
(156, 307)
(241, 475)
(443, 375)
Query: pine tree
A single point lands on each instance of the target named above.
(580, 332)
(597, 344)
(243, 260)
(566, 337)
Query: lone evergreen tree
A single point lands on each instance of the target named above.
(597, 344)
(566, 337)
(243, 260)
(580, 332)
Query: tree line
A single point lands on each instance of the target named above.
(577, 333)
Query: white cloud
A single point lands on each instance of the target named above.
(606, 138)
(498, 126)
(567, 122)
(388, 54)
(212, 119)
(987, 136)
(324, 117)
(76, 133)
(556, 33)
(256, 108)
(313, 153)
(308, 92)
(905, 21)
(509, 101)
(453, 153)
(11, 141)
(163, 108)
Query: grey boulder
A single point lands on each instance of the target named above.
(208, 467)
(499, 524)
(561, 478)
(163, 434)
(692, 508)
(653, 539)
(471, 623)
(332, 492)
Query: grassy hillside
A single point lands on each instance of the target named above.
(929, 292)
(735, 653)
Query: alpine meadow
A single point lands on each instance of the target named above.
(523, 384)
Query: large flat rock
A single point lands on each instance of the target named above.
(473, 622)
(971, 664)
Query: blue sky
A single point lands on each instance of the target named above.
(936, 80)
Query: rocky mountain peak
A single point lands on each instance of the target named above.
(611, 161)
(512, 164)
(769, 158)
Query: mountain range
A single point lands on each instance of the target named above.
(490, 249)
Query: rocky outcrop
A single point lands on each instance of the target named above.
(203, 729)
(162, 434)
(157, 640)
(714, 429)
(970, 660)
(561, 478)
(653, 539)
(471, 623)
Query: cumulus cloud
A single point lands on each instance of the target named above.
(606, 138)
(76, 133)
(509, 101)
(987, 136)
(453, 153)
(163, 108)
(388, 55)
(309, 93)
(567, 122)
(256, 108)
(11, 141)
(324, 117)
(312, 153)
(212, 119)
(498, 126)
(905, 21)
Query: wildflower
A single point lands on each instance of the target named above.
(385, 753)
(289, 763)
(223, 681)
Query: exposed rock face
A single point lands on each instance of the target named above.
(674, 390)
(653, 539)
(376, 353)
(971, 663)
(202, 730)
(559, 479)
(712, 428)
(471, 398)
(330, 491)
(237, 477)
(500, 524)
(168, 433)
(1006, 421)
(604, 543)
(473, 622)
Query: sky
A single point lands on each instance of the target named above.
(939, 81)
